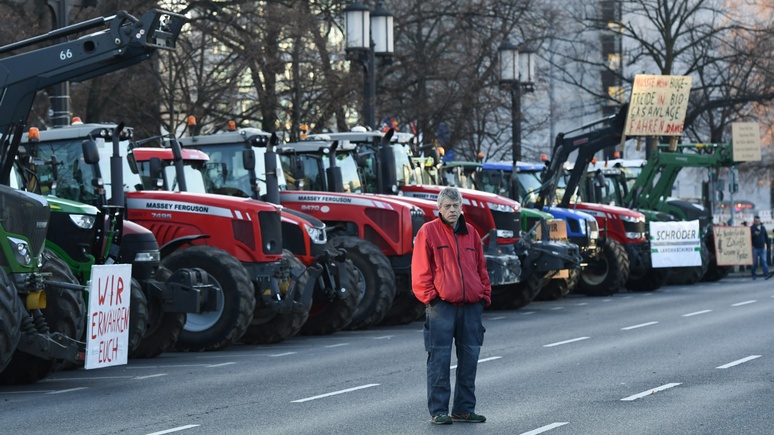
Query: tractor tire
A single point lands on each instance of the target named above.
(714, 272)
(405, 309)
(690, 275)
(554, 289)
(236, 302)
(515, 296)
(11, 313)
(608, 274)
(282, 325)
(162, 328)
(649, 279)
(328, 316)
(138, 316)
(375, 278)
(65, 313)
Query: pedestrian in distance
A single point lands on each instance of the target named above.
(448, 275)
(760, 242)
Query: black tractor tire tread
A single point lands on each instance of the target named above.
(516, 296)
(690, 275)
(283, 325)
(377, 271)
(339, 312)
(10, 319)
(163, 328)
(405, 309)
(238, 294)
(618, 271)
(138, 316)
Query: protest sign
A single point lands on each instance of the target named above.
(657, 106)
(675, 244)
(733, 246)
(746, 141)
(107, 339)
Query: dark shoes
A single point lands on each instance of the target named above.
(468, 417)
(769, 275)
(441, 419)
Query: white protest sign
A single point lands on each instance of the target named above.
(107, 341)
(746, 141)
(733, 246)
(675, 244)
(657, 106)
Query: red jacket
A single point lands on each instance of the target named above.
(449, 265)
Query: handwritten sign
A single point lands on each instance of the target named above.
(675, 244)
(658, 105)
(107, 342)
(733, 246)
(557, 230)
(747, 141)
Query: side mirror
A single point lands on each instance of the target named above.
(90, 152)
(156, 168)
(248, 159)
(132, 163)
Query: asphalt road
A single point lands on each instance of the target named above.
(681, 360)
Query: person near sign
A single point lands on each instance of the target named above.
(449, 275)
(760, 243)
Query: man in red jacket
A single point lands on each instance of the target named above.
(448, 274)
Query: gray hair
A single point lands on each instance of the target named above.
(450, 193)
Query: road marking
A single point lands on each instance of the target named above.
(281, 354)
(491, 358)
(166, 367)
(641, 325)
(348, 390)
(150, 376)
(557, 308)
(338, 345)
(526, 313)
(559, 343)
(90, 378)
(649, 392)
(175, 429)
(737, 362)
(739, 304)
(580, 304)
(606, 300)
(67, 391)
(545, 428)
(497, 318)
(384, 337)
(696, 313)
(28, 392)
(221, 364)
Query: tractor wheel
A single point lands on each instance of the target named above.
(65, 313)
(607, 273)
(690, 275)
(273, 329)
(329, 315)
(162, 328)
(138, 316)
(714, 272)
(515, 296)
(554, 289)
(223, 326)
(11, 313)
(405, 309)
(375, 281)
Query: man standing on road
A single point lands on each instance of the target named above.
(760, 240)
(448, 274)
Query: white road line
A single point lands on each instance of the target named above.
(606, 300)
(696, 313)
(649, 392)
(384, 337)
(150, 376)
(90, 378)
(348, 390)
(175, 429)
(497, 318)
(737, 362)
(491, 358)
(221, 364)
(281, 354)
(739, 304)
(166, 367)
(559, 343)
(641, 325)
(338, 345)
(526, 313)
(580, 304)
(557, 308)
(545, 428)
(67, 391)
(27, 392)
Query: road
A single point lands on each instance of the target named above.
(681, 360)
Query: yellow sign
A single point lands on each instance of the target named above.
(746, 141)
(733, 246)
(657, 106)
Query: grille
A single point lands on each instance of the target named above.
(509, 221)
(634, 227)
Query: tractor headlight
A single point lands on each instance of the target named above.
(83, 221)
(632, 219)
(501, 207)
(147, 257)
(21, 251)
(317, 235)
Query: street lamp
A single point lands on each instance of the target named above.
(517, 70)
(368, 35)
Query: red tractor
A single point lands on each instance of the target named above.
(335, 298)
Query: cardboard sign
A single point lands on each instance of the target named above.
(557, 230)
(107, 339)
(746, 141)
(733, 246)
(657, 106)
(675, 244)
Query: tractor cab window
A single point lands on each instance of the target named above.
(62, 172)
(349, 172)
(529, 186)
(403, 165)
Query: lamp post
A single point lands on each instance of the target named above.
(368, 35)
(517, 70)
